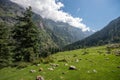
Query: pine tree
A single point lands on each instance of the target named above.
(5, 48)
(26, 36)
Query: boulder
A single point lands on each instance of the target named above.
(54, 65)
(39, 78)
(40, 69)
(38, 64)
(76, 60)
(51, 69)
(72, 68)
(95, 71)
(117, 53)
(88, 72)
(106, 58)
(32, 71)
(66, 64)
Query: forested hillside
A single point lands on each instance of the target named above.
(109, 34)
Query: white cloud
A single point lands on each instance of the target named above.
(51, 9)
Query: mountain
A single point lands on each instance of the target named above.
(8, 13)
(53, 34)
(109, 34)
(68, 34)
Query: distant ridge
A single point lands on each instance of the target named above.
(109, 34)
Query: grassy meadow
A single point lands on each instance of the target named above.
(91, 64)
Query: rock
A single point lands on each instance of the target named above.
(66, 64)
(38, 64)
(40, 69)
(61, 77)
(88, 71)
(94, 71)
(117, 52)
(106, 58)
(32, 71)
(39, 78)
(51, 69)
(54, 65)
(72, 68)
(76, 60)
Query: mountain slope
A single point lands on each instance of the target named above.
(67, 33)
(56, 33)
(8, 13)
(109, 34)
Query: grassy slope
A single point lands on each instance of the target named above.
(104, 64)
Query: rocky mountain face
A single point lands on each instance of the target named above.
(109, 34)
(64, 31)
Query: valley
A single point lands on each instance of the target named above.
(41, 41)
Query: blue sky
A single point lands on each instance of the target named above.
(96, 14)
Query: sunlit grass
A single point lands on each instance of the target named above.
(95, 65)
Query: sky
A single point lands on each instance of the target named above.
(85, 14)
(96, 14)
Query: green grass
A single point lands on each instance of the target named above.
(104, 64)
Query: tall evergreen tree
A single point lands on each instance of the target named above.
(5, 49)
(27, 38)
